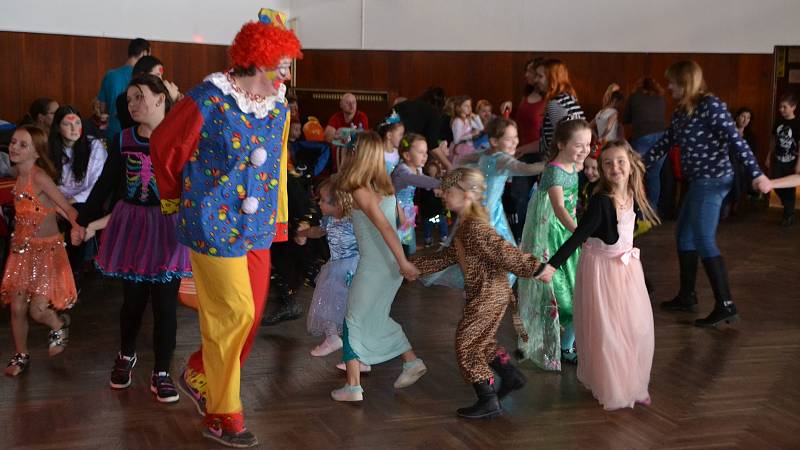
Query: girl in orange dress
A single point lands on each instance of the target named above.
(38, 279)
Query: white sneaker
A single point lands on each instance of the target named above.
(348, 393)
(412, 372)
(328, 346)
(363, 368)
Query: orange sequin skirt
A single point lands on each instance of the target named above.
(40, 268)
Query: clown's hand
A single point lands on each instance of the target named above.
(170, 205)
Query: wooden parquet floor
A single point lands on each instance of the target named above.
(731, 388)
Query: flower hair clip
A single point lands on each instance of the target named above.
(404, 142)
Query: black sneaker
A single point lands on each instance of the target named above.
(121, 373)
(161, 384)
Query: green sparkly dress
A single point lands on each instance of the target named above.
(545, 308)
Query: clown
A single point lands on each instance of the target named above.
(220, 160)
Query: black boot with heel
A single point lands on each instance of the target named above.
(724, 309)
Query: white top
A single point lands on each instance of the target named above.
(602, 120)
(79, 191)
(462, 129)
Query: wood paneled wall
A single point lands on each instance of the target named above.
(739, 79)
(70, 68)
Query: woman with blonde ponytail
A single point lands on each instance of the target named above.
(612, 316)
(485, 258)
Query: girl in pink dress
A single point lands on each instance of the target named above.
(613, 317)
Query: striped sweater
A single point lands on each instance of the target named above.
(558, 108)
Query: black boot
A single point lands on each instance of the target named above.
(289, 309)
(487, 405)
(724, 309)
(512, 378)
(686, 300)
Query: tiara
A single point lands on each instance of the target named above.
(392, 119)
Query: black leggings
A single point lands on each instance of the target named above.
(787, 196)
(164, 304)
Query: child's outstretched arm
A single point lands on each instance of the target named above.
(591, 220)
(368, 202)
(435, 262)
(315, 232)
(514, 167)
(46, 185)
(96, 226)
(497, 251)
(786, 182)
(556, 194)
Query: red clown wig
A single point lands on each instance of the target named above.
(263, 45)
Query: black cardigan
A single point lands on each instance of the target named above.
(599, 220)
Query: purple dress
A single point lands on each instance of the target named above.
(140, 243)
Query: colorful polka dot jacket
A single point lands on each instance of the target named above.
(224, 171)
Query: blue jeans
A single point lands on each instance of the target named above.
(696, 229)
(652, 178)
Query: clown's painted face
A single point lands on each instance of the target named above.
(276, 76)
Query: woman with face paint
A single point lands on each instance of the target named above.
(221, 162)
(79, 162)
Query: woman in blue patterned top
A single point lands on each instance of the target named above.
(705, 132)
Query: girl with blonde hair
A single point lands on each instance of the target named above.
(613, 318)
(485, 258)
(369, 334)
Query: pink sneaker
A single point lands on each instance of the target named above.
(645, 402)
(328, 346)
(363, 368)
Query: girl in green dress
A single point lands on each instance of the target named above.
(546, 309)
(369, 335)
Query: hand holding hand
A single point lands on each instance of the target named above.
(77, 235)
(546, 275)
(762, 184)
(409, 271)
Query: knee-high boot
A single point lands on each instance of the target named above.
(724, 309)
(686, 300)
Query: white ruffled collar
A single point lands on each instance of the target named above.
(259, 108)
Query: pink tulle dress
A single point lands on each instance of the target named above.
(614, 320)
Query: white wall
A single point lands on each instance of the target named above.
(714, 26)
(209, 21)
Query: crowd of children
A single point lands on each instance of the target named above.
(580, 288)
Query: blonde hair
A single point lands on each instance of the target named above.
(366, 167)
(613, 87)
(635, 181)
(471, 181)
(689, 76)
(344, 200)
